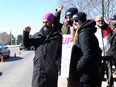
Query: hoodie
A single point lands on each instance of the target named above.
(89, 54)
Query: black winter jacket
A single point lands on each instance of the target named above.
(47, 49)
(112, 50)
(86, 55)
(47, 57)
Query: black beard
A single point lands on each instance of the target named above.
(47, 30)
(46, 27)
(70, 22)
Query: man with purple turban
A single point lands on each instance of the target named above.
(48, 45)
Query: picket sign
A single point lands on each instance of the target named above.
(66, 55)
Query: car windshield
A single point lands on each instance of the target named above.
(2, 46)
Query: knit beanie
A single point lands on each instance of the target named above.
(80, 16)
(49, 17)
(113, 17)
(71, 12)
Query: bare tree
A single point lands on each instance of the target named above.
(92, 8)
(4, 37)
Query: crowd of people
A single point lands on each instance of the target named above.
(92, 54)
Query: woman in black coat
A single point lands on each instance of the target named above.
(86, 54)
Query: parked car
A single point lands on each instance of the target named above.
(4, 51)
(22, 47)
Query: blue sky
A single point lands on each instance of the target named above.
(17, 14)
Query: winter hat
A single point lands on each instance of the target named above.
(113, 17)
(80, 16)
(71, 12)
(49, 17)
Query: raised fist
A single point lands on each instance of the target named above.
(59, 8)
(28, 28)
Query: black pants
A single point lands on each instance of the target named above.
(107, 66)
(87, 85)
(71, 81)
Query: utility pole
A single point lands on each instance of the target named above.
(11, 36)
(102, 30)
(16, 40)
(103, 9)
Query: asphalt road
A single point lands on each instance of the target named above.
(17, 71)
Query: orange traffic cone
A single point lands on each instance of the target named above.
(2, 59)
(15, 54)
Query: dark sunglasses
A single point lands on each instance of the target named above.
(76, 20)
